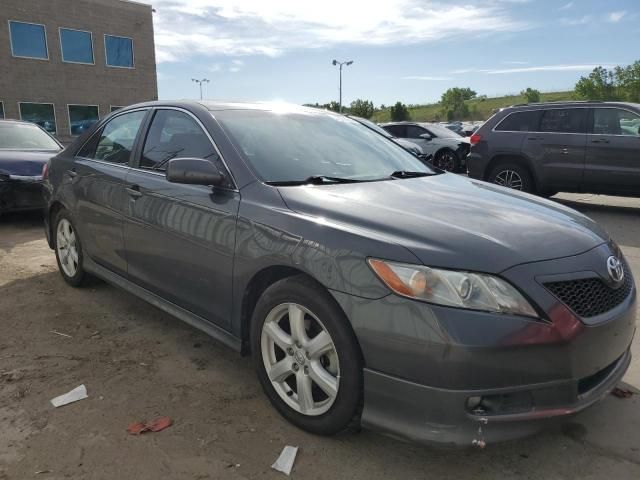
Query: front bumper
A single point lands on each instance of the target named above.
(424, 362)
(429, 415)
(18, 193)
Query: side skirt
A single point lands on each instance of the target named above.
(195, 321)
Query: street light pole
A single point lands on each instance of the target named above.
(200, 82)
(340, 64)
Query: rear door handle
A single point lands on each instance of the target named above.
(134, 191)
(600, 140)
(72, 173)
(565, 151)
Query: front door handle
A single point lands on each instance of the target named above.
(134, 191)
(72, 173)
(565, 151)
(600, 140)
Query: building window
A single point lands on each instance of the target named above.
(115, 107)
(1, 110)
(118, 51)
(41, 113)
(81, 117)
(28, 40)
(76, 46)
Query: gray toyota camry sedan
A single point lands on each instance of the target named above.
(370, 289)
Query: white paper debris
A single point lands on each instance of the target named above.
(284, 463)
(74, 395)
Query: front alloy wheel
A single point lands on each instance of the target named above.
(300, 359)
(307, 356)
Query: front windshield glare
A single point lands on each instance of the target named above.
(293, 146)
(23, 136)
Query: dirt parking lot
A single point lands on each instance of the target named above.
(138, 362)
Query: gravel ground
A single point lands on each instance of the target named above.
(138, 363)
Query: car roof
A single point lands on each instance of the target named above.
(220, 105)
(569, 103)
(13, 120)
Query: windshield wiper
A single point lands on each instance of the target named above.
(314, 180)
(410, 174)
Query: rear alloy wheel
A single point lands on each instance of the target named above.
(307, 357)
(447, 160)
(69, 251)
(512, 176)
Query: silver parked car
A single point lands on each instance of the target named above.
(449, 149)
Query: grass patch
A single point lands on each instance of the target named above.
(479, 108)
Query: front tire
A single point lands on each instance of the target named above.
(68, 250)
(447, 160)
(307, 357)
(512, 176)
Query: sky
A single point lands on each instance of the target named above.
(406, 50)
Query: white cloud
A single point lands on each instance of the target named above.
(249, 27)
(615, 17)
(515, 62)
(566, 6)
(236, 65)
(426, 78)
(577, 21)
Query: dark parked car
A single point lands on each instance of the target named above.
(548, 148)
(407, 145)
(25, 149)
(369, 289)
(449, 149)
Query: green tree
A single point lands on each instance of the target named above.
(531, 95)
(362, 108)
(453, 102)
(599, 85)
(333, 106)
(399, 112)
(628, 81)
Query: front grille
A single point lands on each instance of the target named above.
(589, 297)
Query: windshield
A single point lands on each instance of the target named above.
(293, 146)
(440, 131)
(24, 136)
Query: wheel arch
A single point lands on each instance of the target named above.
(54, 208)
(260, 281)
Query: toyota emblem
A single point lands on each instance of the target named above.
(614, 267)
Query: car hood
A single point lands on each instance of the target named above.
(23, 163)
(451, 221)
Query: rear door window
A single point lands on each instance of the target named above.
(520, 122)
(564, 120)
(614, 121)
(399, 131)
(115, 141)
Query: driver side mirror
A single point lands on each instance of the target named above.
(426, 136)
(194, 171)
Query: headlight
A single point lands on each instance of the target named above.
(476, 291)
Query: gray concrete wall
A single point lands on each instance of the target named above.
(60, 83)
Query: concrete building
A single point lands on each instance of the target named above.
(66, 63)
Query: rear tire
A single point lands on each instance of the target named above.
(307, 357)
(514, 176)
(68, 248)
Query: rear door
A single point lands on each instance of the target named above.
(97, 180)
(180, 239)
(557, 147)
(613, 152)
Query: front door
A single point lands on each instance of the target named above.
(97, 180)
(557, 147)
(613, 152)
(180, 239)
